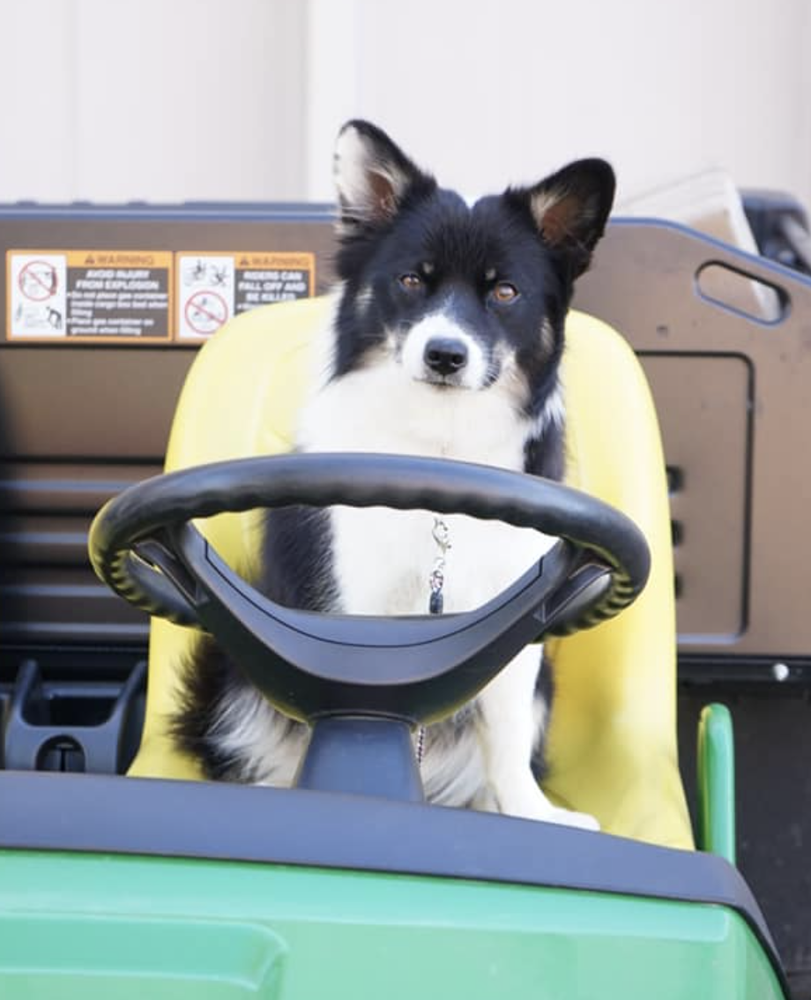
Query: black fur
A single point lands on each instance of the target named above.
(296, 572)
(209, 680)
(544, 695)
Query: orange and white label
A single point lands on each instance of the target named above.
(213, 287)
(129, 296)
(89, 295)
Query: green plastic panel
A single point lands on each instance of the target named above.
(716, 782)
(106, 956)
(86, 927)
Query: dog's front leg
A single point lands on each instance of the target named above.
(508, 733)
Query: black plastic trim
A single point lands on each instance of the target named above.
(756, 671)
(32, 729)
(101, 814)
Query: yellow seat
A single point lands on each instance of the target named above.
(612, 745)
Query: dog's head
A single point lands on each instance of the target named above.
(461, 297)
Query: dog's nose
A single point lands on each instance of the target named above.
(445, 355)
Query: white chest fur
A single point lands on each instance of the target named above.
(383, 558)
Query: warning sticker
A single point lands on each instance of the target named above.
(36, 294)
(205, 293)
(89, 295)
(128, 296)
(213, 287)
(273, 277)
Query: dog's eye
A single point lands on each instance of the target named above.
(410, 281)
(504, 292)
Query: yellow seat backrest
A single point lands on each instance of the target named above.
(612, 749)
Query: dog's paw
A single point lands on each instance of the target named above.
(536, 806)
(565, 817)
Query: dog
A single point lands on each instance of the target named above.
(445, 340)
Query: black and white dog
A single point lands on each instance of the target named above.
(445, 340)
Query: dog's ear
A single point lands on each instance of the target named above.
(570, 209)
(373, 177)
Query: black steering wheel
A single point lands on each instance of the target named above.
(408, 670)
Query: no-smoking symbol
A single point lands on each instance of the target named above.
(206, 312)
(37, 280)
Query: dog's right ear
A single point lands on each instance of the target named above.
(373, 177)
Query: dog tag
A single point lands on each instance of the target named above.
(436, 581)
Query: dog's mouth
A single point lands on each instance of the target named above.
(460, 380)
(443, 382)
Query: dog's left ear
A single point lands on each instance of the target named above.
(570, 209)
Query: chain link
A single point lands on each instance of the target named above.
(436, 582)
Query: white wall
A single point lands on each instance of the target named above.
(164, 100)
(510, 89)
(167, 100)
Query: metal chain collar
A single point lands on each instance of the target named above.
(436, 581)
(436, 602)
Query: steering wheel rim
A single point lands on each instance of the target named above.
(144, 547)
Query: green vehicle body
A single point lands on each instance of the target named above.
(93, 927)
(89, 924)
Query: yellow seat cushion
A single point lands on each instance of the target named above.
(612, 749)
